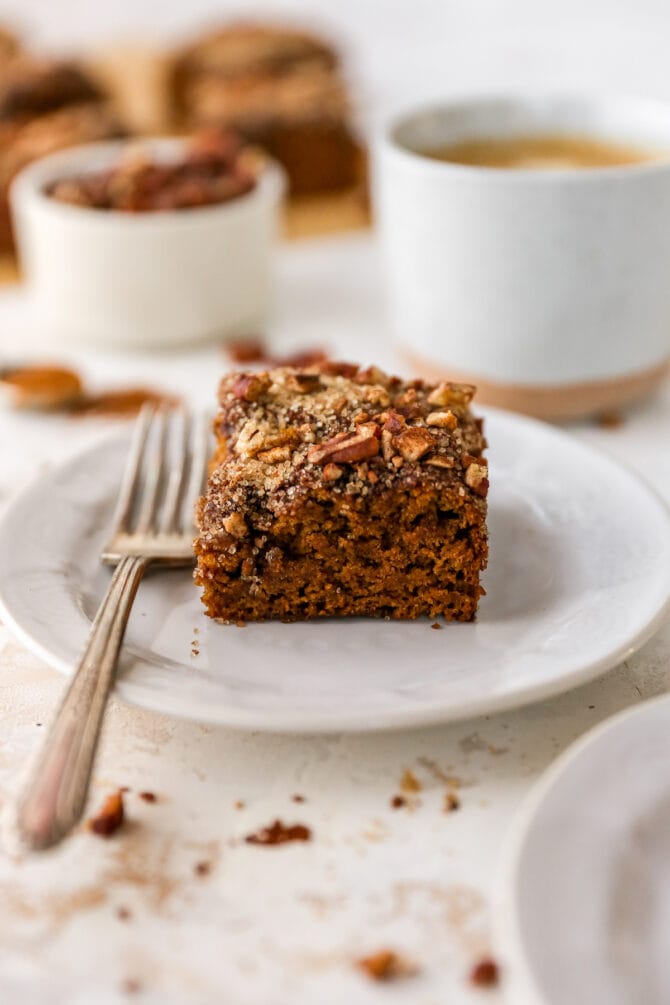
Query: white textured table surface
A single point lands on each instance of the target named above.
(275, 925)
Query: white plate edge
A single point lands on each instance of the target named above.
(520, 988)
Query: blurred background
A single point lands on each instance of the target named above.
(398, 51)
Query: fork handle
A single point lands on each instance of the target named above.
(54, 798)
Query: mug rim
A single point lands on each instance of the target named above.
(390, 144)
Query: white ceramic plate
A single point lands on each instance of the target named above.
(579, 576)
(584, 912)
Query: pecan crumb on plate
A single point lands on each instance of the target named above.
(149, 797)
(279, 833)
(397, 802)
(386, 965)
(110, 816)
(202, 868)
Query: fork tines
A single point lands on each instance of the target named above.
(164, 475)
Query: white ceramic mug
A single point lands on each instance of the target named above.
(549, 289)
(144, 280)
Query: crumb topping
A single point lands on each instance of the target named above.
(337, 428)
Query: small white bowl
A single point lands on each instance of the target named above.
(148, 279)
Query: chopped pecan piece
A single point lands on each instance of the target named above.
(407, 397)
(448, 393)
(440, 461)
(332, 472)
(304, 383)
(252, 439)
(249, 442)
(394, 422)
(414, 442)
(485, 974)
(235, 525)
(373, 375)
(444, 420)
(110, 817)
(388, 450)
(345, 448)
(275, 455)
(247, 350)
(377, 396)
(386, 965)
(250, 387)
(302, 357)
(338, 369)
(476, 477)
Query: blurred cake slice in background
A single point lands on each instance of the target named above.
(279, 88)
(9, 44)
(45, 105)
(32, 86)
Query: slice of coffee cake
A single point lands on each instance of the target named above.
(338, 491)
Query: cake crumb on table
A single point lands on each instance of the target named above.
(110, 817)
(279, 833)
(451, 802)
(485, 973)
(386, 965)
(409, 782)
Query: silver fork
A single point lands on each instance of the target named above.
(153, 525)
